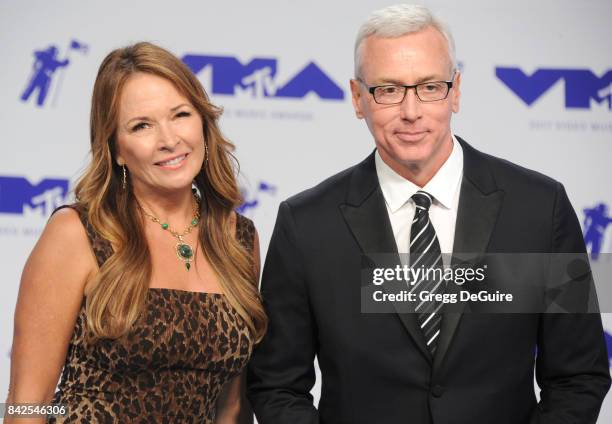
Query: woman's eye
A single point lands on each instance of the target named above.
(183, 114)
(140, 126)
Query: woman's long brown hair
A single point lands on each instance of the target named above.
(116, 296)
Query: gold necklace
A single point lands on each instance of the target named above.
(183, 250)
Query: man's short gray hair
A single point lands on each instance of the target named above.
(398, 20)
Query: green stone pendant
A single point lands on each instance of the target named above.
(184, 253)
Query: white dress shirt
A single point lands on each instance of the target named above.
(444, 187)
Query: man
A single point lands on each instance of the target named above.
(422, 190)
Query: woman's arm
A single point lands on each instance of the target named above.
(232, 404)
(50, 296)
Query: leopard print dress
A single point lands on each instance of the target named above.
(170, 368)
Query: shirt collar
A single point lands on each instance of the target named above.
(443, 186)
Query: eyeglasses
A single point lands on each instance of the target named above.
(392, 94)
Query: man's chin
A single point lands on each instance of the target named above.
(411, 157)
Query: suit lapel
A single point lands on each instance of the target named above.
(479, 205)
(366, 215)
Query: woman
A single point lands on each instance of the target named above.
(144, 291)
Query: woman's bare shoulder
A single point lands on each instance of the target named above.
(63, 247)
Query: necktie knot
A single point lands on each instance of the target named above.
(422, 199)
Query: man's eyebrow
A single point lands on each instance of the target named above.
(429, 78)
(389, 81)
(393, 81)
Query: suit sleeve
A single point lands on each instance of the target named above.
(281, 371)
(572, 364)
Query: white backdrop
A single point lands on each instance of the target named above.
(287, 144)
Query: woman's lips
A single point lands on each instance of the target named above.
(173, 163)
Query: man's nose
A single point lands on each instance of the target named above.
(410, 107)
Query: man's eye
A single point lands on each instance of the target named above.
(432, 87)
(391, 89)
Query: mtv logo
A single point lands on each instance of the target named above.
(19, 196)
(258, 77)
(581, 85)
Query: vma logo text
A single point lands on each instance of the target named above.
(48, 66)
(19, 196)
(258, 78)
(581, 85)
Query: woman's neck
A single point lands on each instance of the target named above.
(175, 208)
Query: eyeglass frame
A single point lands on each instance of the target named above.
(371, 90)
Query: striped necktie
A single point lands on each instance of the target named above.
(425, 252)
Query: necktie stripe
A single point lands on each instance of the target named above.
(426, 250)
(435, 311)
(425, 247)
(433, 314)
(437, 286)
(423, 239)
(433, 337)
(433, 326)
(419, 235)
(435, 264)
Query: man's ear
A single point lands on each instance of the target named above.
(456, 93)
(356, 97)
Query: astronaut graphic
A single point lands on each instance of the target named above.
(596, 220)
(47, 65)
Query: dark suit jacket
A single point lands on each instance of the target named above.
(375, 367)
